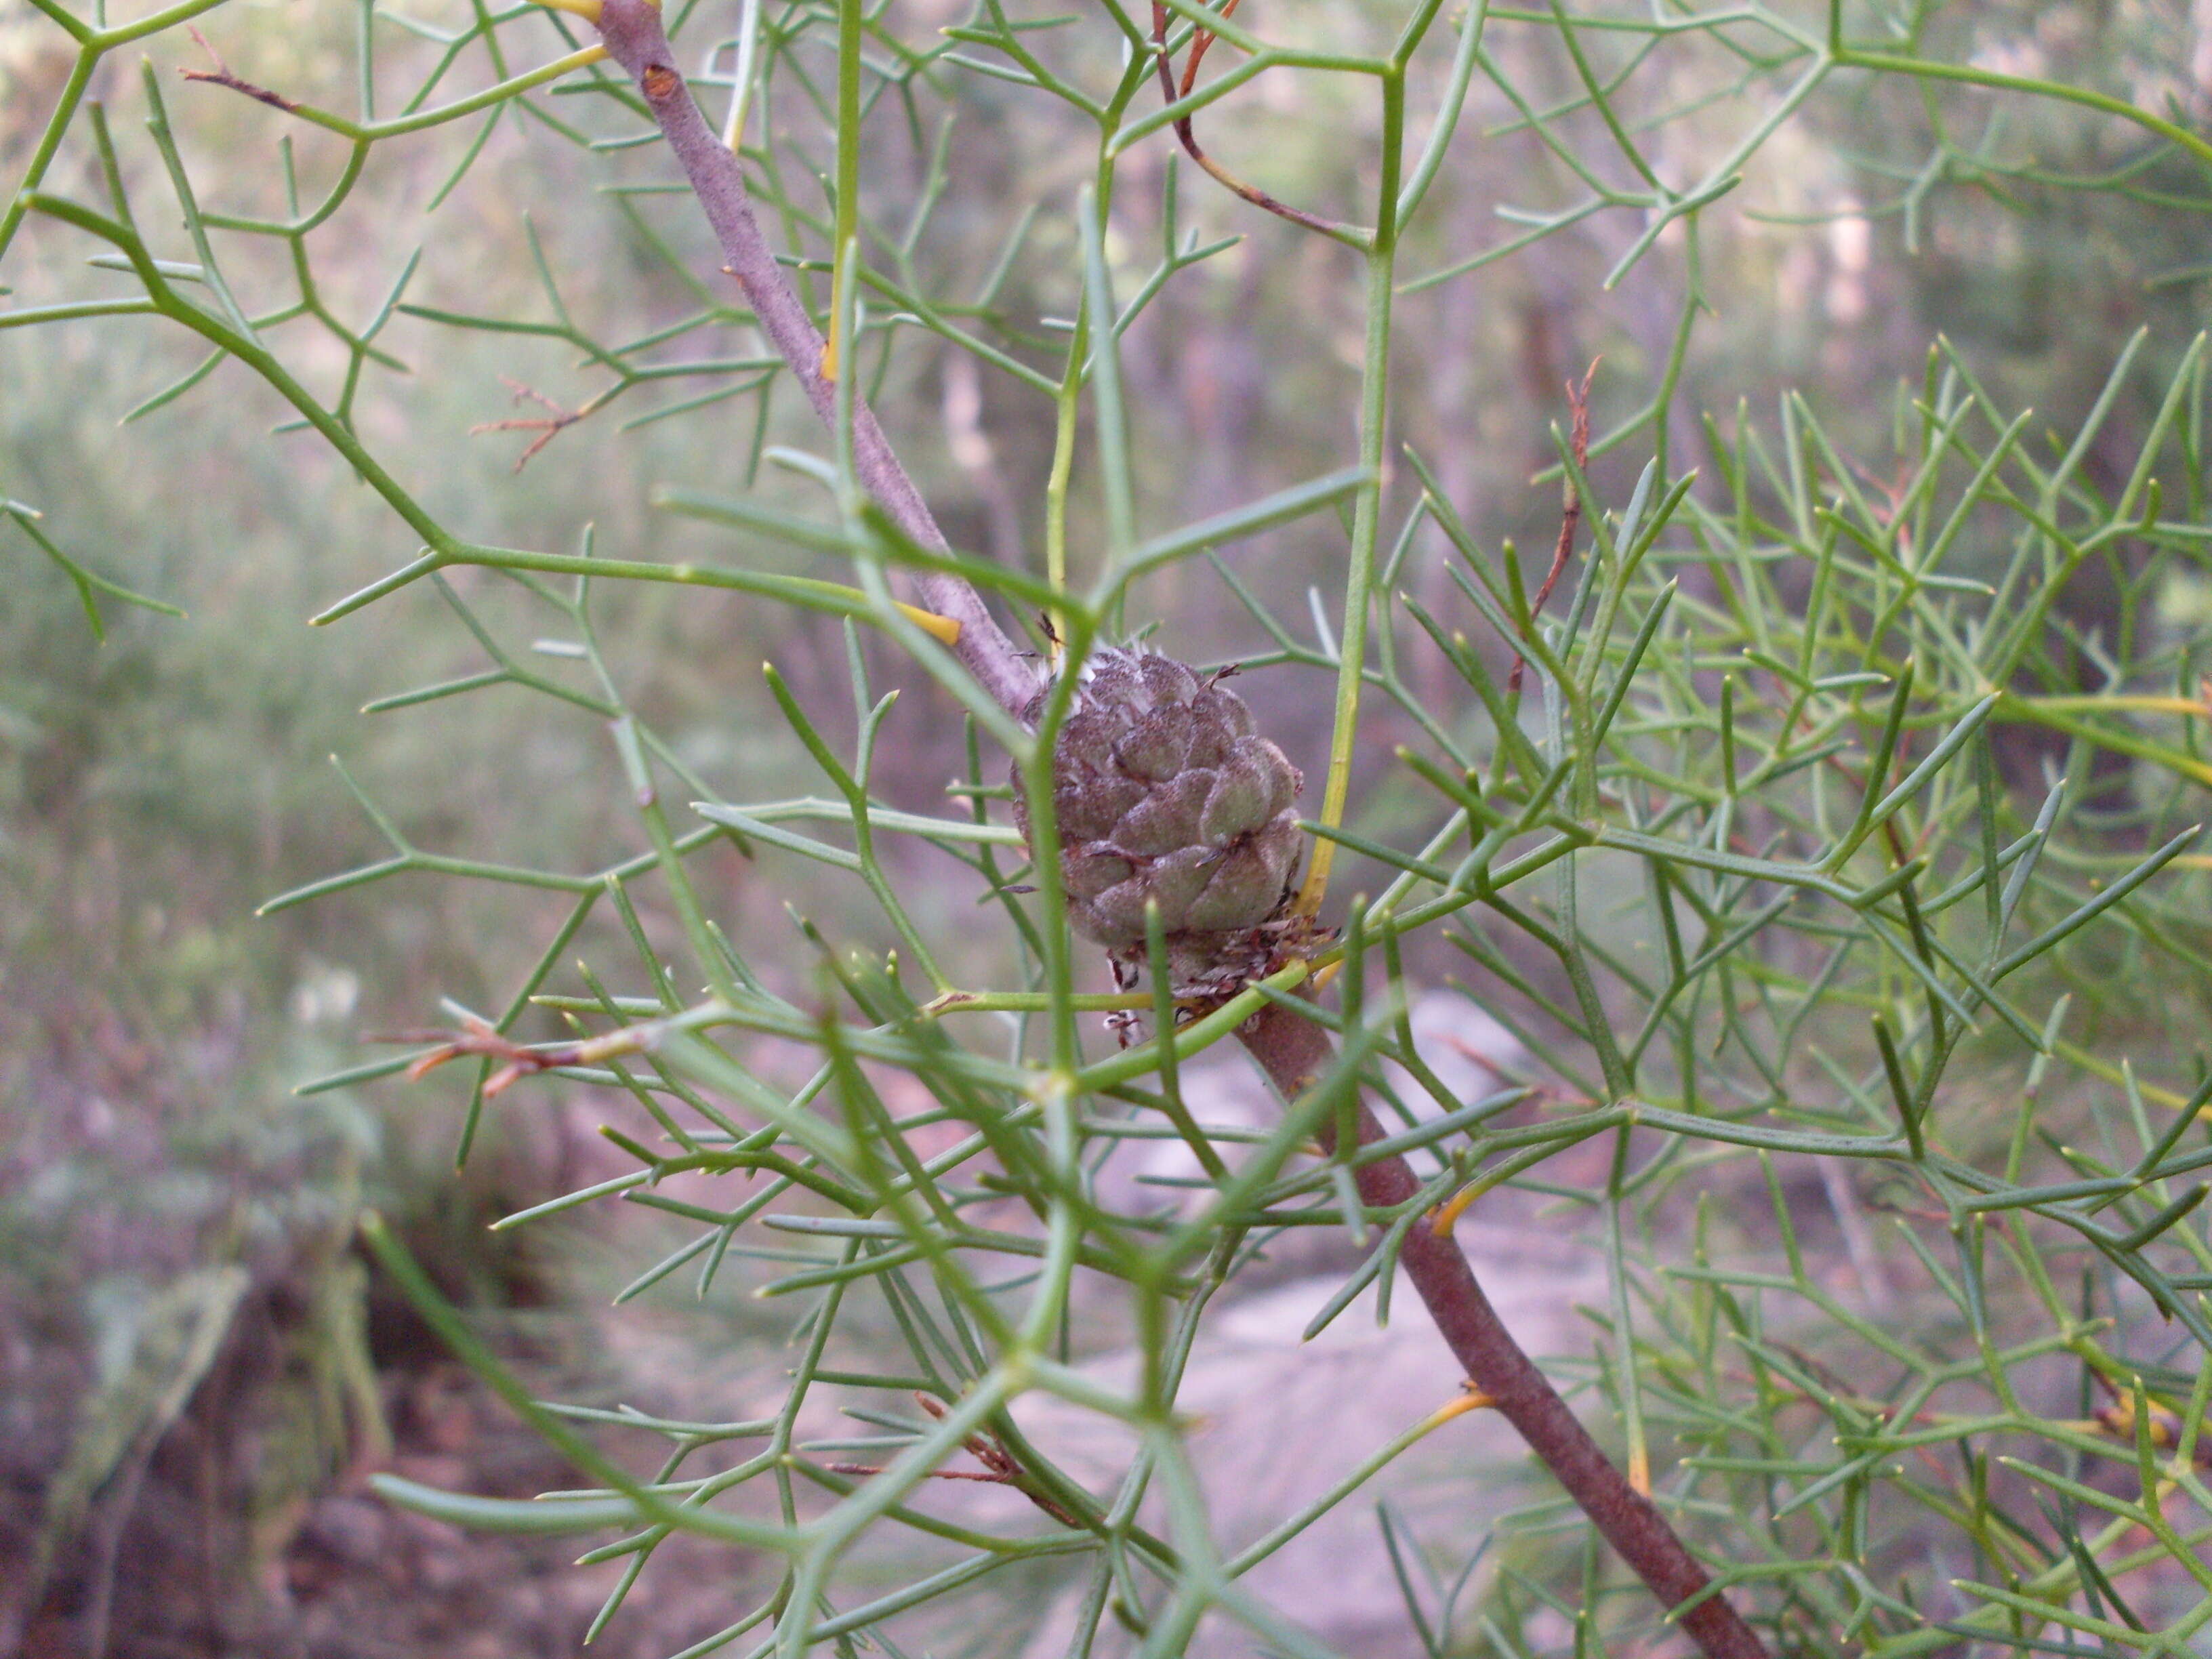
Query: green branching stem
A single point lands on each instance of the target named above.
(1753, 879)
(1367, 507)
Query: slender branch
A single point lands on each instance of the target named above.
(632, 32)
(221, 75)
(548, 427)
(1570, 515)
(1188, 136)
(1294, 1051)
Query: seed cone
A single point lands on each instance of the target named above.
(1163, 791)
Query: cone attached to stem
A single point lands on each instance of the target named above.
(1164, 791)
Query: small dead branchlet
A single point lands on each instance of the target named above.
(1000, 1468)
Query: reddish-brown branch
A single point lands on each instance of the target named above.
(222, 76)
(1183, 131)
(516, 1060)
(631, 30)
(1571, 516)
(1198, 45)
(1295, 1052)
(547, 426)
(986, 1477)
(1000, 1468)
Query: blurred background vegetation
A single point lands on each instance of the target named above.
(194, 1364)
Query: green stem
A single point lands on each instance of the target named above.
(1067, 410)
(263, 363)
(1367, 507)
(849, 177)
(1966, 74)
(65, 109)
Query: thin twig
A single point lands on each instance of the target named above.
(1000, 1468)
(548, 427)
(1570, 515)
(631, 30)
(986, 1477)
(222, 76)
(517, 1060)
(1252, 193)
(1295, 1052)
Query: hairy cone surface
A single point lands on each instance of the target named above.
(1163, 791)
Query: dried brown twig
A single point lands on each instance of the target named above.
(1570, 514)
(548, 427)
(518, 1061)
(220, 76)
(1000, 1468)
(1184, 132)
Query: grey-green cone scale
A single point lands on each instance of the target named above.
(1164, 790)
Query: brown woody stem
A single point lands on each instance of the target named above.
(631, 30)
(1295, 1052)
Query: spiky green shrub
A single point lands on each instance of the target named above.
(1834, 815)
